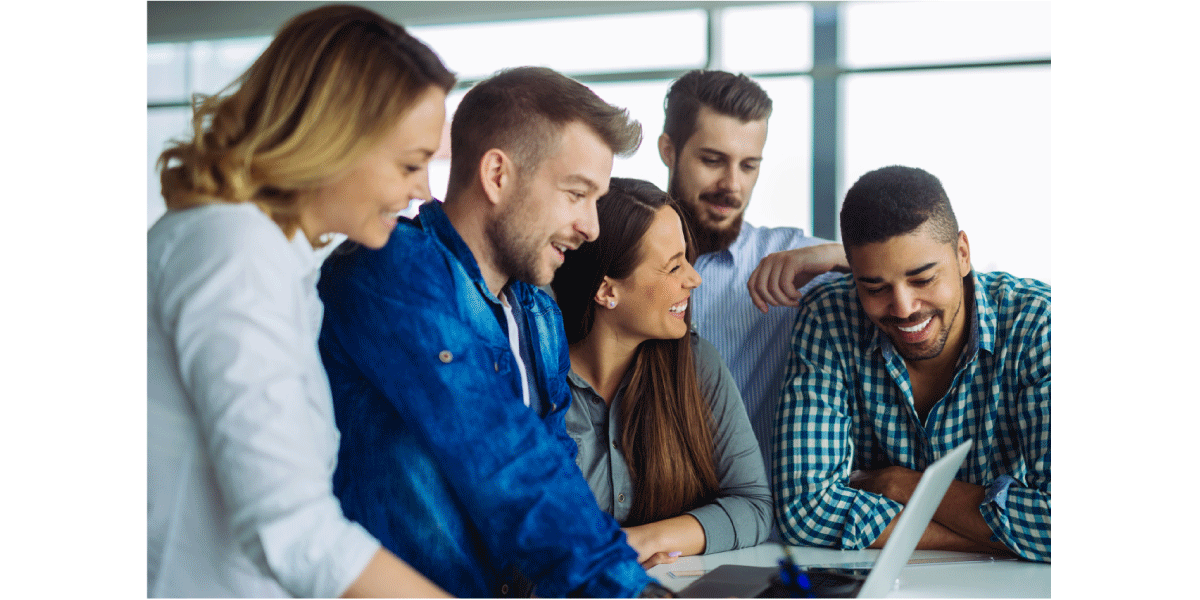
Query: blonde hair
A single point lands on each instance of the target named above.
(327, 89)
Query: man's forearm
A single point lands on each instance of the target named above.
(958, 512)
(937, 537)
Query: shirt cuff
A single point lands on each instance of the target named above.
(719, 535)
(997, 493)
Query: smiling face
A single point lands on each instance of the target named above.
(714, 173)
(363, 201)
(652, 301)
(911, 287)
(552, 210)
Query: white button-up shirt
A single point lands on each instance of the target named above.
(242, 441)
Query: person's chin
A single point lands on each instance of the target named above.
(544, 275)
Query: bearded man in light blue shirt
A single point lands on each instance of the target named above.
(712, 144)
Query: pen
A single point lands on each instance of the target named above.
(793, 579)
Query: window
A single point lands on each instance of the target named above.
(575, 46)
(959, 89)
(985, 133)
(876, 34)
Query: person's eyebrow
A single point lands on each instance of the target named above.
(909, 273)
(919, 270)
(580, 179)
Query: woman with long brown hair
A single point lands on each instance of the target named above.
(664, 440)
(329, 131)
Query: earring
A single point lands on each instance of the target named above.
(612, 303)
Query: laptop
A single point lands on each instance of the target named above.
(741, 581)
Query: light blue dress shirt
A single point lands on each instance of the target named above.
(754, 345)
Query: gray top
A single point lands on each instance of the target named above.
(741, 515)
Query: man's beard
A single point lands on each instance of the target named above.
(515, 253)
(707, 238)
(939, 343)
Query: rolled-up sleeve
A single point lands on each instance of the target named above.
(741, 516)
(1017, 506)
(249, 363)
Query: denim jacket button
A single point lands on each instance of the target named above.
(620, 497)
(445, 356)
(504, 589)
(497, 365)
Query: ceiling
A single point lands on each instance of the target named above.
(183, 21)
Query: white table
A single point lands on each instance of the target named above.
(999, 579)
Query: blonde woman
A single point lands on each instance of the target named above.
(329, 131)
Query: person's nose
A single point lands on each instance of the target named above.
(420, 189)
(733, 180)
(904, 302)
(693, 279)
(587, 223)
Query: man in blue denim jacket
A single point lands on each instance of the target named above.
(448, 367)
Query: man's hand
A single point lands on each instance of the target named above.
(777, 279)
(896, 483)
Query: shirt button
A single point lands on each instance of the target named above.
(504, 589)
(615, 445)
(620, 497)
(445, 356)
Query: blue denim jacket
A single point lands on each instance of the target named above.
(440, 458)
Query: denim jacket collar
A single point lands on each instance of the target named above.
(433, 218)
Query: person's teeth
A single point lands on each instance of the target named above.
(917, 327)
(678, 308)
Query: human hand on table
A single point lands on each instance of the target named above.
(777, 279)
(650, 552)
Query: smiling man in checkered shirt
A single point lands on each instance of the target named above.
(897, 363)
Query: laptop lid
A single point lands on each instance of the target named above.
(740, 581)
(912, 522)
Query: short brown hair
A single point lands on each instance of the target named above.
(522, 111)
(731, 95)
(327, 89)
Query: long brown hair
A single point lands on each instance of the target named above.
(326, 90)
(666, 425)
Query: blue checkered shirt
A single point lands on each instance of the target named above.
(847, 405)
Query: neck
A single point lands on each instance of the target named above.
(602, 358)
(471, 224)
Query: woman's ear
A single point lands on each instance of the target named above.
(606, 296)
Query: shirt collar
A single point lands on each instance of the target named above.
(433, 218)
(726, 255)
(580, 383)
(984, 328)
(308, 264)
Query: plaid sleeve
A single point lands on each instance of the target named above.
(1017, 507)
(814, 452)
